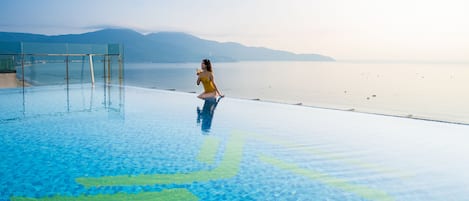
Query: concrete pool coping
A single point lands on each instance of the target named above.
(9, 80)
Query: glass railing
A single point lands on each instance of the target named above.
(49, 66)
(7, 64)
(62, 63)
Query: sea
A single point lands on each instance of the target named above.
(429, 91)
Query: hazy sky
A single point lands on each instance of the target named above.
(436, 30)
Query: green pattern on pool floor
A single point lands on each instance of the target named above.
(342, 184)
(209, 150)
(179, 194)
(331, 156)
(227, 168)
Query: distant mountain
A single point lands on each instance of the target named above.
(168, 46)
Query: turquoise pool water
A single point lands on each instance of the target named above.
(129, 143)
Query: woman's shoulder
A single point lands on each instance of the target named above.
(210, 74)
(206, 74)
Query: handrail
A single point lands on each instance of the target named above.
(67, 60)
(26, 54)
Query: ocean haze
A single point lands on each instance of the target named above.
(398, 30)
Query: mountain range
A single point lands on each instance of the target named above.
(167, 46)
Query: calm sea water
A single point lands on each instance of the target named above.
(429, 91)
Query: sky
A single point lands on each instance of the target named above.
(371, 30)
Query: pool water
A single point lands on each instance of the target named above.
(111, 142)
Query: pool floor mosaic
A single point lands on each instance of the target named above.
(126, 143)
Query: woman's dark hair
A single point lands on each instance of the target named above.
(208, 65)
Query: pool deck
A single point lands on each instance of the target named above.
(8, 80)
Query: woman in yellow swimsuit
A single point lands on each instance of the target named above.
(206, 77)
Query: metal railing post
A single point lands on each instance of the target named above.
(22, 69)
(108, 69)
(91, 69)
(66, 69)
(22, 80)
(121, 72)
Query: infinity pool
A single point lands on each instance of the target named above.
(127, 143)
